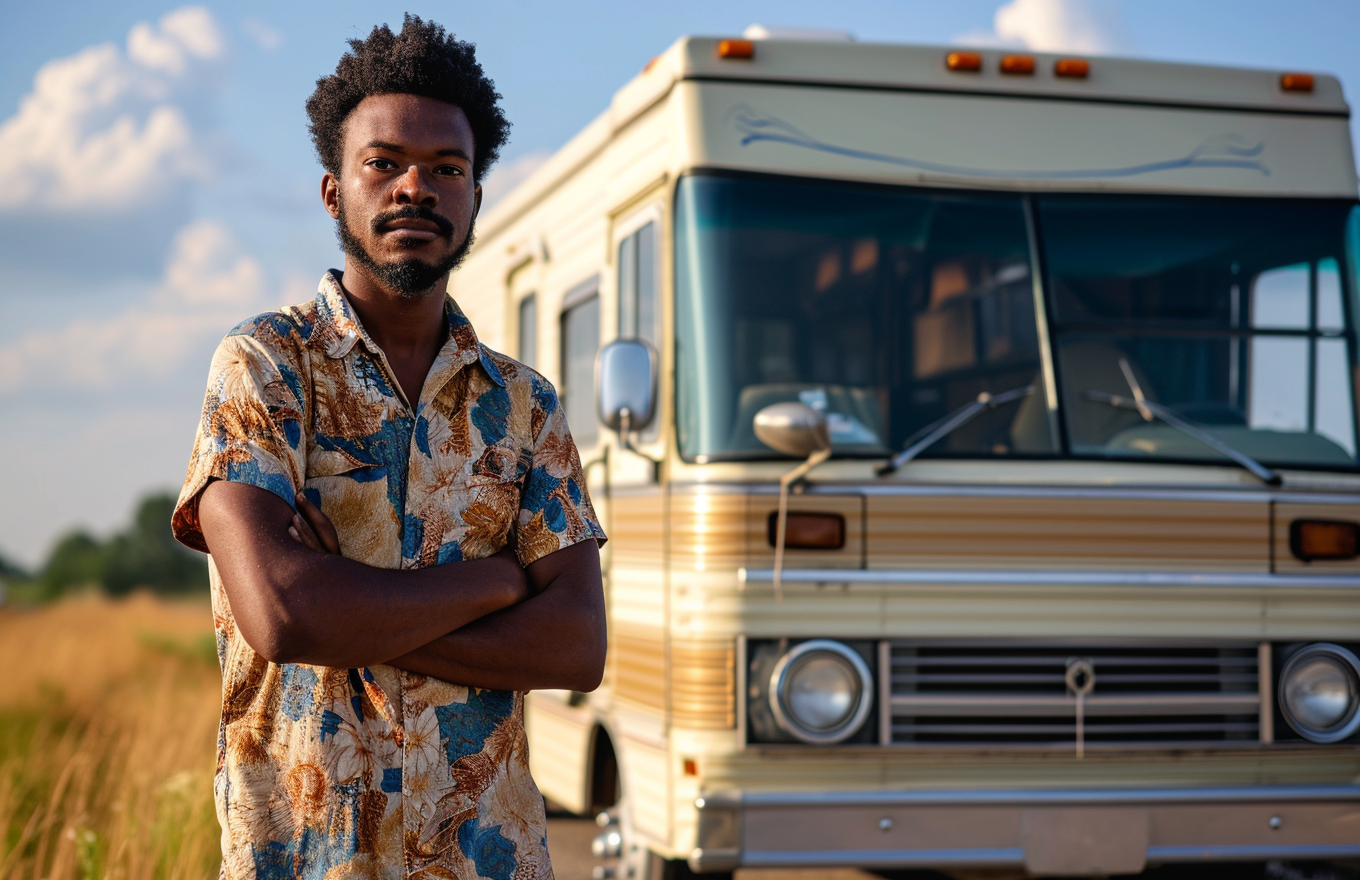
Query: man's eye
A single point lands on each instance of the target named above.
(382, 164)
(449, 170)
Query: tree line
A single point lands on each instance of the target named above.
(144, 555)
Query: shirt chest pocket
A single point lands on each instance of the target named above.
(334, 479)
(485, 498)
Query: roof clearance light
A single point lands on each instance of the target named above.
(1073, 68)
(964, 61)
(1297, 82)
(1018, 65)
(1311, 539)
(736, 49)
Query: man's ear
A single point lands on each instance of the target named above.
(330, 195)
(477, 201)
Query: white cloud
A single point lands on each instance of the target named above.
(112, 130)
(505, 176)
(265, 37)
(208, 285)
(1090, 27)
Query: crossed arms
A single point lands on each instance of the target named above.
(484, 623)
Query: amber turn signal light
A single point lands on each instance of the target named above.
(1313, 539)
(1073, 68)
(969, 61)
(1297, 82)
(1018, 65)
(809, 531)
(736, 49)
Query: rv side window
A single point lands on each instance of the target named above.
(639, 311)
(580, 342)
(528, 330)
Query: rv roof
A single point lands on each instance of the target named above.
(922, 68)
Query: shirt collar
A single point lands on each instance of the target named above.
(338, 329)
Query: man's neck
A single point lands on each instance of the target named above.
(401, 326)
(410, 330)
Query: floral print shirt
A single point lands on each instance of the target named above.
(378, 772)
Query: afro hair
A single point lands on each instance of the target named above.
(422, 60)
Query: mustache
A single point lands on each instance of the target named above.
(413, 212)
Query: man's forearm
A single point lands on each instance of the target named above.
(555, 639)
(294, 605)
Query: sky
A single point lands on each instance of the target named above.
(157, 183)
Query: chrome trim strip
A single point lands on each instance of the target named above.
(888, 858)
(1046, 797)
(1245, 852)
(1247, 494)
(1064, 707)
(885, 858)
(1050, 578)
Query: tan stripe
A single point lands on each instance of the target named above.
(703, 685)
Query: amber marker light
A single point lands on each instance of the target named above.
(963, 61)
(1018, 65)
(691, 767)
(736, 49)
(1296, 82)
(1314, 539)
(1072, 68)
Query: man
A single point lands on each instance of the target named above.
(400, 537)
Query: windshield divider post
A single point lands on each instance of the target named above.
(1047, 362)
(1311, 416)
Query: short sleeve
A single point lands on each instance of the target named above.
(251, 428)
(555, 510)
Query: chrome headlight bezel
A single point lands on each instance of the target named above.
(1349, 664)
(782, 677)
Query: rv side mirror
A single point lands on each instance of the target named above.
(626, 378)
(793, 428)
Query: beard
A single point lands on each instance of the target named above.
(411, 277)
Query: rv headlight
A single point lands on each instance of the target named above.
(820, 691)
(1320, 693)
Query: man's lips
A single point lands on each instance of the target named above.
(413, 224)
(422, 230)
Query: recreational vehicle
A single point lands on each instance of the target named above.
(975, 432)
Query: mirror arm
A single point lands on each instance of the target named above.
(625, 434)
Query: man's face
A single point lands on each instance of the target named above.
(405, 199)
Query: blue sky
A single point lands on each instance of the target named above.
(157, 183)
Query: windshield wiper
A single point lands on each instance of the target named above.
(935, 431)
(1149, 410)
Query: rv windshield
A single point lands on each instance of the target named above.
(890, 308)
(886, 309)
(1234, 315)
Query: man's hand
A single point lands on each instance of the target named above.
(297, 602)
(313, 529)
(555, 639)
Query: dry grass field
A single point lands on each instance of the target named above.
(108, 715)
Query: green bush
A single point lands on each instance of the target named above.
(143, 555)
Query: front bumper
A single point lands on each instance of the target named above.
(1072, 832)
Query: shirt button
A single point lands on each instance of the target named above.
(425, 811)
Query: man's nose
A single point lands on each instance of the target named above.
(413, 188)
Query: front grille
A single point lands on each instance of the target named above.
(991, 694)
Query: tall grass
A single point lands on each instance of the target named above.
(108, 718)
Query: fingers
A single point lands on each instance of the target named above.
(302, 533)
(320, 525)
